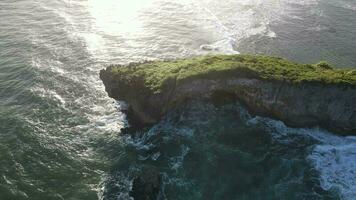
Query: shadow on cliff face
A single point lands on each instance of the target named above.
(207, 151)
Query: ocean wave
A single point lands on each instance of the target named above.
(334, 157)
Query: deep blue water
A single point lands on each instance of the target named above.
(60, 133)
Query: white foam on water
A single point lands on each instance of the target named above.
(46, 93)
(225, 45)
(335, 159)
(337, 167)
(124, 183)
(177, 161)
(333, 156)
(246, 19)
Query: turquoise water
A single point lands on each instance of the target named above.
(60, 133)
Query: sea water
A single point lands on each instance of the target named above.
(60, 133)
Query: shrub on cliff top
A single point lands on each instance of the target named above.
(324, 65)
(156, 73)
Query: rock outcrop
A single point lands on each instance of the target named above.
(299, 95)
(147, 185)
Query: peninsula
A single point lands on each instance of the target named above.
(301, 95)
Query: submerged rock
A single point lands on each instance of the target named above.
(147, 185)
(301, 95)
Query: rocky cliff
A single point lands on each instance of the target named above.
(300, 95)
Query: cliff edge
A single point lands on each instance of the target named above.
(301, 95)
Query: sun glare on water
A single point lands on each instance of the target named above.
(117, 16)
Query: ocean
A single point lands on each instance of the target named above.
(60, 133)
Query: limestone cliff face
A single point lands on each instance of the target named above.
(305, 104)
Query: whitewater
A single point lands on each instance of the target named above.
(60, 132)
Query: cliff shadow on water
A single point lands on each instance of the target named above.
(217, 151)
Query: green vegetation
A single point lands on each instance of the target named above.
(155, 74)
(324, 65)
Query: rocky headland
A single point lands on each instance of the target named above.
(301, 95)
